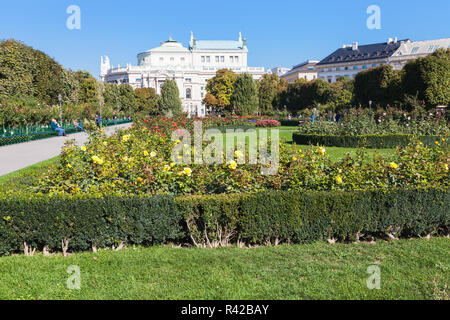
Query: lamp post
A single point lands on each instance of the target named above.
(60, 109)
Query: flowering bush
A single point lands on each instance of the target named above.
(267, 123)
(139, 161)
(361, 122)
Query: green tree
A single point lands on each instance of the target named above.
(29, 72)
(380, 85)
(146, 100)
(245, 95)
(220, 89)
(169, 101)
(127, 99)
(429, 78)
(270, 88)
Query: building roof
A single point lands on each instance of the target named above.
(170, 46)
(218, 45)
(422, 47)
(355, 52)
(304, 67)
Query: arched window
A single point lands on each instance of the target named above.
(188, 93)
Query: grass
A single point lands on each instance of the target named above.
(410, 269)
(25, 177)
(335, 153)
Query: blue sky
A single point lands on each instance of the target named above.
(279, 33)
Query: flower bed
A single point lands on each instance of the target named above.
(267, 123)
(139, 162)
(55, 224)
(368, 141)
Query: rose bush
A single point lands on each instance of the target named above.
(139, 161)
(361, 122)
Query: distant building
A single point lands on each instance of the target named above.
(279, 71)
(190, 67)
(306, 70)
(352, 59)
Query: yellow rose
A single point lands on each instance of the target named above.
(338, 179)
(126, 138)
(172, 164)
(294, 159)
(145, 154)
(232, 165)
(69, 166)
(97, 160)
(166, 168)
(187, 171)
(105, 143)
(238, 154)
(322, 150)
(83, 148)
(446, 167)
(153, 154)
(393, 165)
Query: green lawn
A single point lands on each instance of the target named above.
(25, 177)
(410, 269)
(335, 153)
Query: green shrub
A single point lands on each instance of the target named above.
(257, 219)
(293, 217)
(86, 223)
(369, 141)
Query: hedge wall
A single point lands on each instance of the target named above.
(368, 141)
(261, 218)
(87, 223)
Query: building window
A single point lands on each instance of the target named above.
(182, 59)
(188, 80)
(208, 59)
(203, 58)
(231, 59)
(236, 58)
(188, 93)
(217, 58)
(161, 59)
(355, 68)
(222, 59)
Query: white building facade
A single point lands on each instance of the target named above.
(189, 67)
(349, 60)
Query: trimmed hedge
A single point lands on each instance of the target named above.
(368, 141)
(87, 223)
(289, 123)
(260, 218)
(292, 217)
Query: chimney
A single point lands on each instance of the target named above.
(355, 46)
(395, 40)
(389, 41)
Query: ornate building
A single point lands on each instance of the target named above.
(349, 60)
(190, 67)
